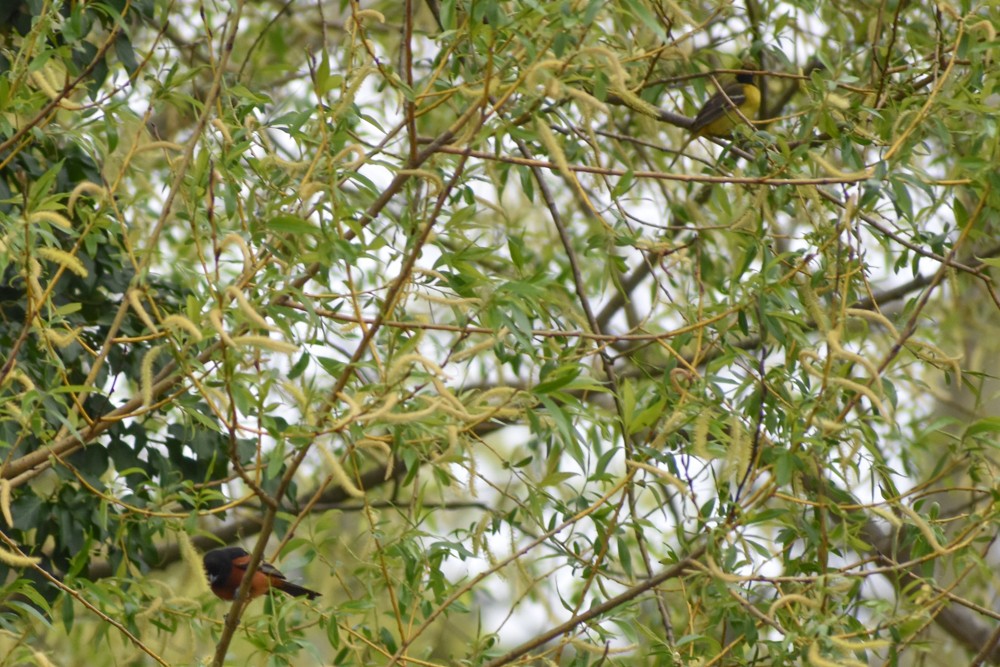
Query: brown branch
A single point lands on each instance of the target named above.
(599, 610)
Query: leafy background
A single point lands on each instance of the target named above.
(418, 301)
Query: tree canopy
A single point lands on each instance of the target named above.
(438, 307)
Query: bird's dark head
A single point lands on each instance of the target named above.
(219, 562)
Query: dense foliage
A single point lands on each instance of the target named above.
(419, 302)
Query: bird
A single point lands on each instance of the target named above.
(726, 109)
(226, 567)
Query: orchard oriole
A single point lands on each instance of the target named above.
(725, 110)
(225, 569)
(718, 116)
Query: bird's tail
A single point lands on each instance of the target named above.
(298, 591)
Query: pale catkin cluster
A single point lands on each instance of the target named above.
(46, 78)
(699, 437)
(191, 559)
(235, 239)
(133, 296)
(62, 340)
(5, 501)
(18, 376)
(17, 560)
(52, 217)
(183, 323)
(339, 475)
(146, 374)
(41, 659)
(663, 474)
(64, 259)
(738, 454)
(815, 658)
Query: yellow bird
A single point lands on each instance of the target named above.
(725, 110)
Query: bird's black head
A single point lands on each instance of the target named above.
(219, 562)
(745, 77)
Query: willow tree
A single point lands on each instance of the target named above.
(422, 303)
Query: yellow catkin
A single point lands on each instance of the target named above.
(235, 239)
(786, 600)
(699, 437)
(371, 443)
(146, 374)
(718, 573)
(347, 98)
(478, 543)
(814, 657)
(223, 130)
(924, 528)
(215, 318)
(668, 428)
(296, 393)
(17, 560)
(936, 356)
(158, 145)
(400, 367)
(832, 170)
(151, 608)
(448, 397)
(85, 187)
(388, 403)
(247, 309)
(426, 175)
(357, 149)
(617, 73)
(634, 102)
(181, 322)
(860, 645)
(830, 426)
(811, 301)
(587, 102)
(64, 259)
(659, 472)
(41, 659)
(738, 456)
(266, 343)
(309, 188)
(5, 501)
(43, 84)
(191, 560)
(448, 300)
(413, 416)
(865, 391)
(133, 300)
(454, 443)
(19, 376)
(51, 217)
(602, 649)
(846, 355)
(893, 520)
(557, 155)
(287, 165)
(873, 316)
(502, 395)
(61, 340)
(340, 476)
(365, 14)
(985, 26)
(353, 407)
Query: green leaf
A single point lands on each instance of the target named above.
(290, 224)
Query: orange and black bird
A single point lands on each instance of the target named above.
(726, 109)
(225, 569)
